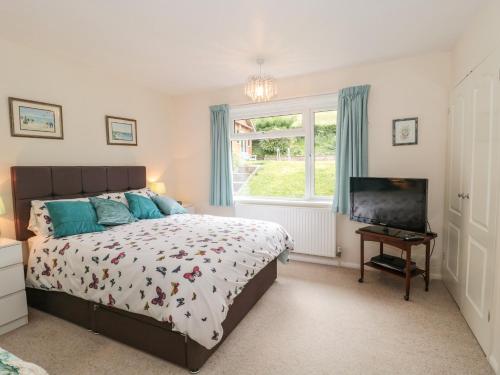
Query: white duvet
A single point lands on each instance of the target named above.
(184, 269)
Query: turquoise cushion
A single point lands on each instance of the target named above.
(110, 212)
(71, 218)
(142, 207)
(168, 205)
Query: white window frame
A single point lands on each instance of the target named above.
(307, 107)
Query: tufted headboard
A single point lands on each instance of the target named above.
(44, 183)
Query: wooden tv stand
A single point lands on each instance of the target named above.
(404, 245)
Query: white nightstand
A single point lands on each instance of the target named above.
(13, 308)
(189, 207)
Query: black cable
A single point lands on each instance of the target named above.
(433, 240)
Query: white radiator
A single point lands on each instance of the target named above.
(312, 229)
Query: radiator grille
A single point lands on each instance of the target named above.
(312, 229)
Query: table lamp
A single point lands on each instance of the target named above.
(158, 188)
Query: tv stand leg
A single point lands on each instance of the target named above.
(427, 264)
(408, 273)
(362, 259)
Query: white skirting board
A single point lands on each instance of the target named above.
(337, 262)
(312, 228)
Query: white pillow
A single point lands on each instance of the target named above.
(33, 223)
(40, 221)
(120, 197)
(117, 197)
(145, 192)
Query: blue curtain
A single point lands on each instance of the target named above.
(352, 142)
(221, 181)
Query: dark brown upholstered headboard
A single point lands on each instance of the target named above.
(44, 183)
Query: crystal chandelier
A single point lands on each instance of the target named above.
(260, 88)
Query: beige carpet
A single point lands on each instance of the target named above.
(314, 320)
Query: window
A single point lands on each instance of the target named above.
(285, 150)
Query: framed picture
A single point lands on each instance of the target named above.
(121, 131)
(405, 131)
(35, 119)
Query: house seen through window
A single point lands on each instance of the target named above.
(289, 156)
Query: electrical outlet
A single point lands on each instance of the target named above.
(339, 251)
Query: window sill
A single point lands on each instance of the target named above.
(285, 202)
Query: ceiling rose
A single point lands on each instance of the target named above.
(260, 88)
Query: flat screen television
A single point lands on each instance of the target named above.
(399, 203)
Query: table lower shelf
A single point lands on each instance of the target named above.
(414, 273)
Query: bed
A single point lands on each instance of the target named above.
(173, 287)
(10, 364)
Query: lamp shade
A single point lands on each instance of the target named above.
(158, 187)
(2, 207)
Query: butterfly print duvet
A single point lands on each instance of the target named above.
(182, 269)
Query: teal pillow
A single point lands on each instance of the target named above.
(110, 212)
(168, 205)
(142, 207)
(70, 218)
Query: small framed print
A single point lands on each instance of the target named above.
(121, 131)
(405, 131)
(35, 119)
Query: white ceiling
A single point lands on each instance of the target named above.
(190, 45)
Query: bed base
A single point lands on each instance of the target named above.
(146, 333)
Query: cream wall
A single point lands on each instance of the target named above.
(480, 38)
(417, 86)
(86, 97)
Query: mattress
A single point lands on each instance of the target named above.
(182, 269)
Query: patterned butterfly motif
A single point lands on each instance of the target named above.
(161, 297)
(192, 275)
(116, 259)
(95, 282)
(175, 288)
(46, 272)
(105, 273)
(215, 336)
(177, 269)
(65, 247)
(218, 250)
(162, 270)
(111, 300)
(110, 247)
(180, 255)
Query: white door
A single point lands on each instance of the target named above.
(480, 205)
(454, 204)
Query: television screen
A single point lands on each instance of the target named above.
(393, 202)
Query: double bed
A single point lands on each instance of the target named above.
(174, 287)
